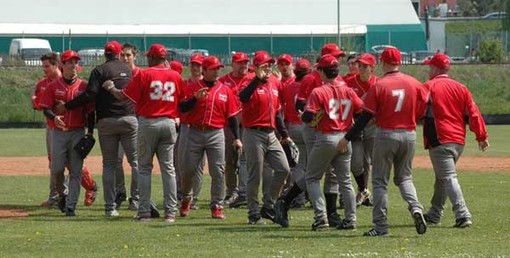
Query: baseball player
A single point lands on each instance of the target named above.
(353, 67)
(51, 69)
(396, 101)
(363, 145)
(444, 133)
(338, 103)
(116, 121)
(195, 67)
(156, 92)
(128, 56)
(209, 104)
(260, 97)
(235, 183)
(68, 130)
(309, 82)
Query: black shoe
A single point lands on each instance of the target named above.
(463, 223)
(419, 223)
(320, 224)
(281, 210)
(346, 225)
(62, 203)
(374, 233)
(268, 214)
(429, 220)
(70, 213)
(334, 220)
(154, 210)
(119, 199)
(238, 202)
(255, 220)
(230, 199)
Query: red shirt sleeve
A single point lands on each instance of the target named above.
(370, 104)
(476, 122)
(48, 97)
(306, 87)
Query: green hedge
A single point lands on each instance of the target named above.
(490, 85)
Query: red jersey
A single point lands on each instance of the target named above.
(450, 102)
(232, 82)
(40, 88)
(214, 109)
(349, 76)
(310, 82)
(339, 104)
(289, 95)
(58, 90)
(135, 71)
(184, 116)
(360, 87)
(397, 101)
(264, 103)
(156, 91)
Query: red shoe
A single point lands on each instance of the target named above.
(217, 213)
(90, 196)
(185, 207)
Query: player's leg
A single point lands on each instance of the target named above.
(75, 166)
(230, 173)
(165, 149)
(120, 188)
(192, 161)
(255, 147)
(58, 163)
(181, 154)
(215, 149)
(128, 140)
(342, 167)
(198, 182)
(147, 138)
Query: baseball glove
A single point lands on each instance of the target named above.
(317, 118)
(292, 152)
(85, 145)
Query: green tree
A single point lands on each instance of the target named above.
(491, 51)
(480, 7)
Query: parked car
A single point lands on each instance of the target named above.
(179, 54)
(378, 49)
(29, 50)
(418, 57)
(204, 52)
(494, 16)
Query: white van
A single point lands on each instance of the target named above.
(29, 50)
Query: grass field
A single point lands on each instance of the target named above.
(47, 233)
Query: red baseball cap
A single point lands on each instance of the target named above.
(69, 54)
(113, 47)
(332, 49)
(441, 61)
(284, 58)
(211, 62)
(303, 65)
(196, 58)
(239, 57)
(367, 59)
(157, 50)
(176, 66)
(327, 60)
(262, 57)
(391, 55)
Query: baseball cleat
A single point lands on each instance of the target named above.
(463, 223)
(419, 223)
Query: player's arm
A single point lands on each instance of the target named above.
(189, 104)
(91, 120)
(109, 86)
(89, 95)
(280, 126)
(476, 123)
(246, 93)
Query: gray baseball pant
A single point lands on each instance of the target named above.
(53, 180)
(298, 172)
(211, 143)
(235, 183)
(182, 141)
(393, 148)
(261, 146)
(156, 136)
(324, 154)
(62, 154)
(120, 178)
(444, 157)
(112, 131)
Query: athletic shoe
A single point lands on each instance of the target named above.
(255, 220)
(347, 225)
(217, 213)
(334, 220)
(133, 204)
(51, 202)
(463, 223)
(70, 213)
(185, 206)
(281, 210)
(62, 203)
(238, 202)
(429, 220)
(143, 218)
(154, 210)
(268, 214)
(230, 199)
(375, 233)
(90, 196)
(419, 223)
(111, 213)
(119, 199)
(169, 218)
(363, 198)
(320, 224)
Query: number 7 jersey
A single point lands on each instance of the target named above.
(156, 91)
(397, 101)
(339, 103)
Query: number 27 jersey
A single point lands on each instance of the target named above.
(156, 91)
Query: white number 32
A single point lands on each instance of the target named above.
(162, 91)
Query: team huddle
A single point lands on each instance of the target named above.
(244, 124)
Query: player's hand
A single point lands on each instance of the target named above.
(286, 140)
(108, 85)
(263, 71)
(60, 107)
(238, 145)
(343, 146)
(59, 122)
(483, 145)
(201, 93)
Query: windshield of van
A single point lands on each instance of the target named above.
(34, 52)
